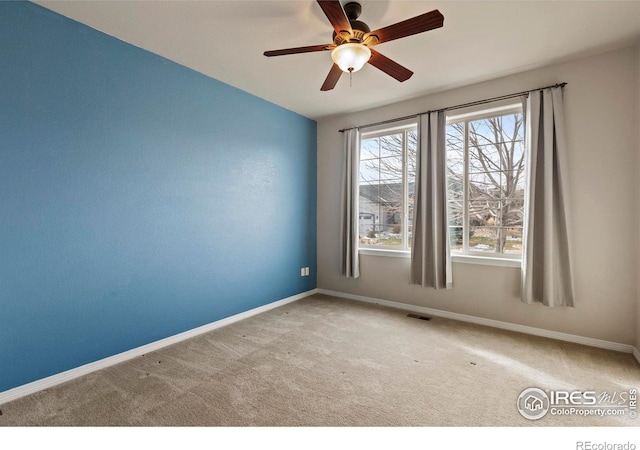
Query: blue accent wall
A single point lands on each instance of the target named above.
(139, 198)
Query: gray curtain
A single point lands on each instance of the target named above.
(350, 204)
(546, 264)
(430, 250)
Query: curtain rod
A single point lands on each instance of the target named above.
(464, 105)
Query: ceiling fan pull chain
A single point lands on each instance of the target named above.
(350, 77)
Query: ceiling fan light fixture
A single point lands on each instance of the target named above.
(351, 57)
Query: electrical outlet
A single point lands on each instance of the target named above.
(302, 272)
(306, 271)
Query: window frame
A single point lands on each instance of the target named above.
(471, 113)
(480, 112)
(403, 126)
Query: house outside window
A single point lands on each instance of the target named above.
(387, 177)
(486, 181)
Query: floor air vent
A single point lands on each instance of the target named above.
(416, 316)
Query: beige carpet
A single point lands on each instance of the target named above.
(324, 361)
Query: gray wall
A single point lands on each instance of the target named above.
(601, 115)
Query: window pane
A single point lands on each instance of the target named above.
(370, 171)
(380, 222)
(513, 184)
(387, 180)
(456, 213)
(484, 213)
(495, 174)
(513, 212)
(455, 136)
(513, 241)
(412, 144)
(483, 159)
(391, 192)
(391, 234)
(410, 227)
(485, 186)
(482, 239)
(391, 145)
(496, 155)
(369, 148)
(382, 190)
(391, 168)
(455, 236)
(369, 197)
(455, 183)
(455, 150)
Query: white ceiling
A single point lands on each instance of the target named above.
(480, 40)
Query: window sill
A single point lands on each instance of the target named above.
(464, 259)
(486, 261)
(385, 252)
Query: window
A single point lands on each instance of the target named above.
(387, 174)
(486, 182)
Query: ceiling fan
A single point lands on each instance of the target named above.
(353, 39)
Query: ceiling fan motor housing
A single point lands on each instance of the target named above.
(359, 28)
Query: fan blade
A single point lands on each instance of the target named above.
(291, 51)
(389, 66)
(334, 12)
(419, 24)
(332, 78)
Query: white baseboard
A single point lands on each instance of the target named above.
(63, 377)
(625, 348)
